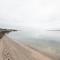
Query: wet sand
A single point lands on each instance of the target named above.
(10, 50)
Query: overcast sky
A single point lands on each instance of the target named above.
(38, 14)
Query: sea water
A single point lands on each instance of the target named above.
(45, 44)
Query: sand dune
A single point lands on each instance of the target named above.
(10, 50)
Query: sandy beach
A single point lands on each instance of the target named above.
(10, 50)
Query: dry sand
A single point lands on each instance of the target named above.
(10, 50)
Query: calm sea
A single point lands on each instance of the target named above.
(48, 45)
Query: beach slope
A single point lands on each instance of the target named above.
(10, 50)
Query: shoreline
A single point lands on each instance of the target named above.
(40, 52)
(15, 51)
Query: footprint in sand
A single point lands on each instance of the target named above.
(7, 55)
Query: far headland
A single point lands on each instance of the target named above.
(3, 31)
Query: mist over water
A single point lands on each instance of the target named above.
(45, 41)
(35, 35)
